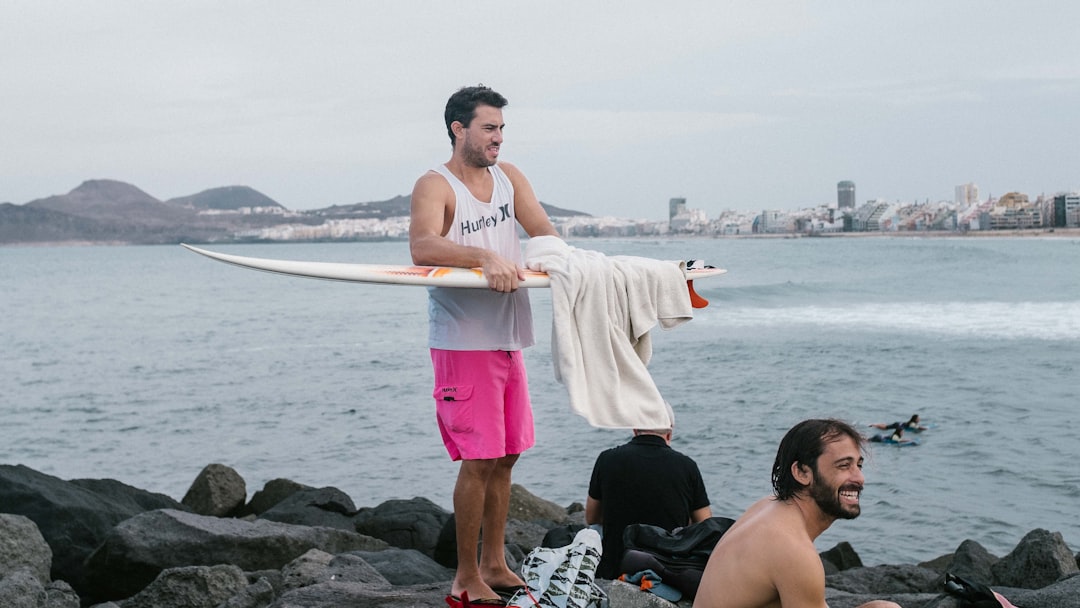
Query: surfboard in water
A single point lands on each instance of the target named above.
(395, 274)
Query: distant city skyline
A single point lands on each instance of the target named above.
(614, 111)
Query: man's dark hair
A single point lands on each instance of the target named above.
(803, 444)
(461, 107)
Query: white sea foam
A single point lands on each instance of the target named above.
(997, 320)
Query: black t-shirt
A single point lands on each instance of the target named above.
(643, 482)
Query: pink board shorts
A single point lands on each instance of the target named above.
(482, 403)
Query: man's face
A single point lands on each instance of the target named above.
(838, 479)
(483, 136)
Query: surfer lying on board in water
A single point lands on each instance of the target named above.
(912, 425)
(465, 213)
(896, 437)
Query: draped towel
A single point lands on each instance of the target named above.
(603, 308)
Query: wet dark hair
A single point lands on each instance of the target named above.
(803, 444)
(461, 107)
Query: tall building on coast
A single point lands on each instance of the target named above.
(845, 195)
(676, 206)
(966, 194)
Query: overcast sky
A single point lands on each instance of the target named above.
(615, 107)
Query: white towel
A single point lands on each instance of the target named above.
(603, 308)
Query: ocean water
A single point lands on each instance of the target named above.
(144, 364)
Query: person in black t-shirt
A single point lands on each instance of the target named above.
(644, 481)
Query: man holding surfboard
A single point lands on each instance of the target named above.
(465, 213)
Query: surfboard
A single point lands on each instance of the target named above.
(395, 274)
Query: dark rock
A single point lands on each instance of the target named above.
(316, 567)
(406, 566)
(1040, 559)
(445, 552)
(843, 556)
(1062, 594)
(274, 577)
(336, 594)
(972, 562)
(329, 507)
(885, 580)
(21, 588)
(137, 550)
(625, 595)
(561, 535)
(273, 492)
(190, 587)
(133, 498)
(524, 506)
(256, 595)
(218, 490)
(73, 519)
(59, 594)
(406, 524)
(525, 535)
(22, 547)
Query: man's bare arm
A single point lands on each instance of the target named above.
(594, 514)
(799, 577)
(701, 514)
(428, 246)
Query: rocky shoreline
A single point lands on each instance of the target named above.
(101, 543)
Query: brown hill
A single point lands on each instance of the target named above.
(115, 202)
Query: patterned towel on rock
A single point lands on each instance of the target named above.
(562, 577)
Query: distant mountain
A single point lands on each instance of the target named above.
(395, 207)
(228, 198)
(106, 200)
(24, 224)
(399, 206)
(110, 211)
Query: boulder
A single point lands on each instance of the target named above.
(406, 524)
(329, 507)
(132, 498)
(334, 594)
(626, 595)
(59, 594)
(190, 587)
(1040, 559)
(445, 552)
(525, 535)
(22, 547)
(406, 566)
(218, 490)
(1062, 594)
(258, 594)
(972, 562)
(525, 506)
(885, 580)
(72, 518)
(273, 492)
(316, 567)
(137, 550)
(843, 556)
(21, 589)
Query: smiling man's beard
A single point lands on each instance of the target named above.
(828, 500)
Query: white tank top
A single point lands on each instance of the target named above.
(481, 319)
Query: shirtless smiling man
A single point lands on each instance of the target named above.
(767, 559)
